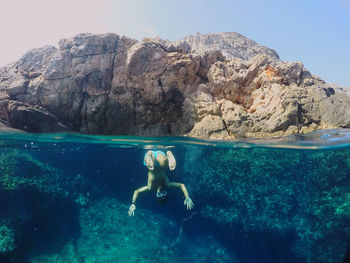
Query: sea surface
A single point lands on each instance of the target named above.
(65, 198)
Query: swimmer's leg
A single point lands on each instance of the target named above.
(149, 183)
(149, 160)
(171, 160)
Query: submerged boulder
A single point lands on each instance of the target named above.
(109, 235)
(38, 210)
(211, 86)
(297, 199)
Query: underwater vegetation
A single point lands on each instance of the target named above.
(68, 202)
(300, 194)
(52, 213)
(32, 196)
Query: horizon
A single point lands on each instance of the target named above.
(316, 33)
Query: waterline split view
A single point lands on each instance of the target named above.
(65, 198)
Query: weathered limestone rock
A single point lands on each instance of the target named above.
(27, 117)
(212, 86)
(232, 45)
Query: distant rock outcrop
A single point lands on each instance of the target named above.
(231, 45)
(213, 86)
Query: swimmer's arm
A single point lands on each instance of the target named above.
(181, 186)
(136, 193)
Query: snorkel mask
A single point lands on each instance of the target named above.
(162, 196)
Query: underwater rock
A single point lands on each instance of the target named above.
(37, 207)
(7, 239)
(211, 86)
(300, 195)
(107, 234)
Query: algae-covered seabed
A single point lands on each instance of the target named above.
(65, 199)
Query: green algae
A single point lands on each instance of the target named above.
(7, 239)
(298, 193)
(106, 233)
(109, 235)
(305, 193)
(20, 170)
(29, 190)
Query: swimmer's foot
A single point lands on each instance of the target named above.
(149, 160)
(171, 160)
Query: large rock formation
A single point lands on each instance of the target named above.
(231, 45)
(212, 86)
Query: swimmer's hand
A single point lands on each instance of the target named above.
(132, 210)
(188, 203)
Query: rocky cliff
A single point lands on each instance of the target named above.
(212, 86)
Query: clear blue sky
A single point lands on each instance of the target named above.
(315, 32)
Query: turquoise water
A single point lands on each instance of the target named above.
(65, 198)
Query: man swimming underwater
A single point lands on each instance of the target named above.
(157, 163)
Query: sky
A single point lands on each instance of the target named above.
(315, 32)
